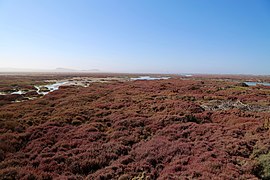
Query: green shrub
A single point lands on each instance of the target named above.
(262, 169)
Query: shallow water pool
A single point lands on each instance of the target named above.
(259, 83)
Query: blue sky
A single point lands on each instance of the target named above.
(175, 36)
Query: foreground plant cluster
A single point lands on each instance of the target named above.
(162, 129)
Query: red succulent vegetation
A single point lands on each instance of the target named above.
(162, 129)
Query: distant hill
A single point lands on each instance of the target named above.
(46, 70)
(75, 70)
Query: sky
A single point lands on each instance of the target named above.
(135, 36)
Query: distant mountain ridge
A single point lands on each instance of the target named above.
(46, 70)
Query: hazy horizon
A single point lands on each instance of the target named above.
(207, 37)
